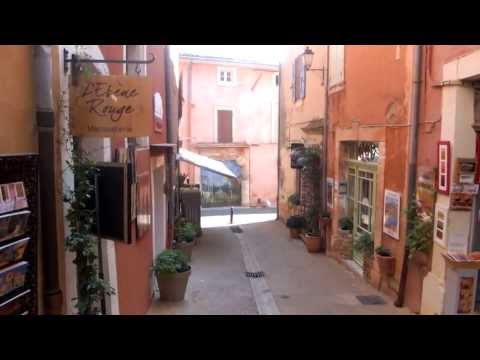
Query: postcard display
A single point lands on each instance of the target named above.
(18, 234)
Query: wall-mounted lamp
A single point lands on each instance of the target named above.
(307, 62)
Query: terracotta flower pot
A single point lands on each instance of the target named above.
(386, 264)
(173, 286)
(324, 220)
(314, 243)
(186, 248)
(420, 258)
(294, 233)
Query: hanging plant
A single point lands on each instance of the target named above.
(420, 234)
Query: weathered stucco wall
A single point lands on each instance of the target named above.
(18, 131)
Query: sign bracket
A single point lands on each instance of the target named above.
(76, 62)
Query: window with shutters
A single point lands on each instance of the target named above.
(224, 126)
(336, 63)
(226, 76)
(298, 76)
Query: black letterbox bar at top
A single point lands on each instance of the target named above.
(75, 60)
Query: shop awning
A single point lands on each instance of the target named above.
(205, 162)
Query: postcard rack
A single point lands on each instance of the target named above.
(18, 234)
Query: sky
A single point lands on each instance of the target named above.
(269, 54)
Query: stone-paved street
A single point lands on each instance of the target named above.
(295, 281)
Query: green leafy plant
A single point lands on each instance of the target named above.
(420, 234)
(311, 217)
(345, 223)
(364, 244)
(296, 222)
(185, 231)
(294, 200)
(383, 251)
(91, 288)
(170, 262)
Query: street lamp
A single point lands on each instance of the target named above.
(307, 62)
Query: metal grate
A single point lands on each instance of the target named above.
(371, 300)
(258, 274)
(236, 229)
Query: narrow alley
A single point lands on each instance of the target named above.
(297, 282)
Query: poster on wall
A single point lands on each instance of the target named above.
(391, 214)
(143, 205)
(440, 228)
(157, 112)
(466, 295)
(443, 181)
(461, 196)
(330, 185)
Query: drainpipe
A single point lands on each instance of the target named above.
(278, 139)
(42, 62)
(325, 137)
(172, 124)
(412, 160)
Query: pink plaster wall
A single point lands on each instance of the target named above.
(254, 101)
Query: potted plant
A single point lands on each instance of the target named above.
(420, 235)
(295, 223)
(364, 244)
(385, 261)
(345, 238)
(314, 241)
(345, 225)
(185, 234)
(172, 272)
(294, 200)
(313, 238)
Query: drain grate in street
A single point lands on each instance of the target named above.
(258, 274)
(371, 300)
(236, 229)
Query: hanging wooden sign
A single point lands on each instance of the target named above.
(106, 106)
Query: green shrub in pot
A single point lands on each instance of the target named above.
(345, 223)
(170, 262)
(172, 272)
(295, 222)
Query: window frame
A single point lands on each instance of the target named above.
(223, 108)
(232, 71)
(336, 66)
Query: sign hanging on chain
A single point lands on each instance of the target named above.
(106, 106)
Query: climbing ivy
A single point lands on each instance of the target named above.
(80, 217)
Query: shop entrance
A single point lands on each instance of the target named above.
(361, 174)
(361, 199)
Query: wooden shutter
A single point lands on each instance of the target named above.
(294, 85)
(301, 73)
(224, 126)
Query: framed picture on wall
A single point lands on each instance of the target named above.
(391, 214)
(444, 164)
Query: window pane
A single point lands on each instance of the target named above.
(222, 76)
(229, 76)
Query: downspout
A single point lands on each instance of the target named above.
(278, 139)
(172, 123)
(325, 138)
(45, 115)
(412, 161)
